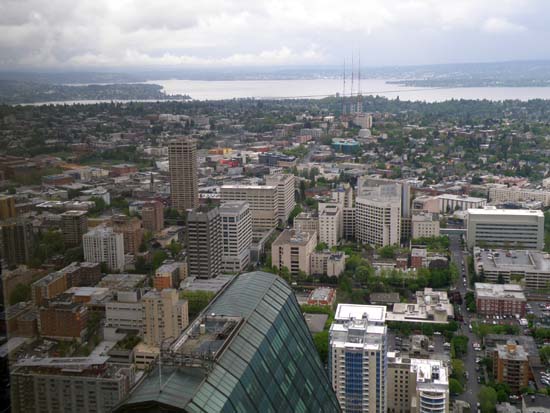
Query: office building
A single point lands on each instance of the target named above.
(265, 360)
(152, 216)
(285, 194)
(516, 194)
(328, 263)
(103, 245)
(331, 224)
(343, 195)
(426, 203)
(69, 384)
(511, 366)
(63, 319)
(378, 219)
(7, 207)
(236, 236)
(399, 191)
(292, 250)
(358, 357)
(424, 224)
(306, 222)
(277, 159)
(500, 265)
(74, 224)
(204, 243)
(170, 274)
(505, 228)
(448, 203)
(417, 385)
(17, 241)
(500, 299)
(165, 315)
(263, 201)
(131, 230)
(184, 180)
(348, 217)
(125, 311)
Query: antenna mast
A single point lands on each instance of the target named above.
(351, 93)
(344, 89)
(359, 97)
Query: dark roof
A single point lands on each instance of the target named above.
(536, 400)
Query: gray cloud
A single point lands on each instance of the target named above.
(125, 33)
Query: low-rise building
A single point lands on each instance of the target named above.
(328, 263)
(449, 203)
(323, 296)
(125, 311)
(501, 266)
(86, 384)
(63, 319)
(500, 299)
(169, 275)
(424, 224)
(430, 307)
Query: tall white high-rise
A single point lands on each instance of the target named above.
(236, 236)
(165, 315)
(103, 245)
(358, 357)
(378, 219)
(331, 224)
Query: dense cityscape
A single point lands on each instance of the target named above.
(350, 254)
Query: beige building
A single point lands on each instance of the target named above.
(293, 249)
(184, 181)
(449, 203)
(103, 245)
(7, 207)
(516, 194)
(286, 201)
(505, 228)
(165, 315)
(378, 220)
(263, 201)
(424, 224)
(74, 224)
(417, 385)
(236, 236)
(328, 263)
(131, 230)
(307, 222)
(426, 203)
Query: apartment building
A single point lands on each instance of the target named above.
(500, 299)
(165, 315)
(103, 245)
(236, 236)
(377, 221)
(331, 223)
(204, 243)
(152, 216)
(131, 230)
(74, 224)
(511, 366)
(262, 199)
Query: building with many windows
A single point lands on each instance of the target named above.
(449, 203)
(517, 194)
(74, 224)
(236, 236)
(164, 315)
(358, 358)
(16, 241)
(103, 245)
(378, 220)
(263, 201)
(184, 180)
(292, 250)
(424, 224)
(204, 243)
(500, 299)
(249, 350)
(505, 228)
(285, 194)
(152, 215)
(69, 384)
(511, 366)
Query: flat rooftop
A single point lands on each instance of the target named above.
(429, 371)
(292, 236)
(460, 198)
(506, 212)
(500, 291)
(374, 313)
(514, 260)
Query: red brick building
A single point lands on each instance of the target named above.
(500, 299)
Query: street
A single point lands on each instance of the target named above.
(471, 388)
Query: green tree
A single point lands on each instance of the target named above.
(321, 344)
(158, 258)
(487, 397)
(455, 387)
(21, 292)
(458, 369)
(175, 248)
(197, 301)
(545, 354)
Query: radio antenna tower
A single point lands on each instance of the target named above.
(359, 107)
(344, 89)
(351, 93)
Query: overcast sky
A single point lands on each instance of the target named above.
(66, 34)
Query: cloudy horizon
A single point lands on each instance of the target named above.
(126, 34)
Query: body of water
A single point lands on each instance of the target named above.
(319, 88)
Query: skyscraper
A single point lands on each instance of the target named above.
(236, 236)
(74, 224)
(358, 357)
(378, 216)
(182, 158)
(204, 243)
(103, 245)
(248, 351)
(285, 194)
